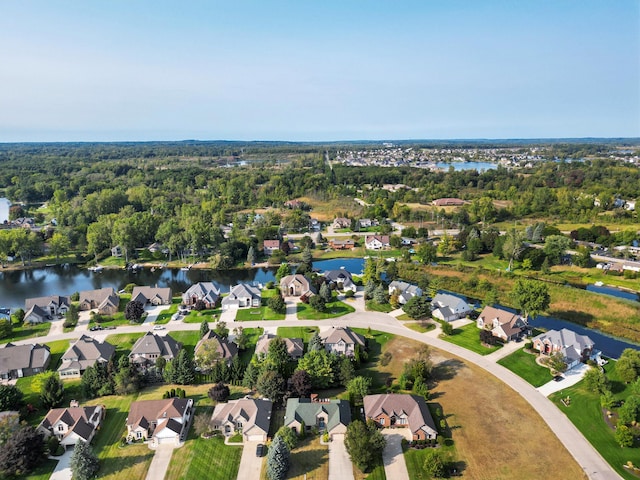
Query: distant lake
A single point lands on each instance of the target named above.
(459, 166)
(613, 292)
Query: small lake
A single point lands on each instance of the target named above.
(613, 292)
(459, 166)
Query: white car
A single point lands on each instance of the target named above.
(158, 327)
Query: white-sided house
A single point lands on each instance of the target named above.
(502, 323)
(249, 416)
(575, 348)
(72, 424)
(449, 307)
(376, 242)
(406, 291)
(341, 279)
(342, 340)
(242, 295)
(160, 421)
(44, 308)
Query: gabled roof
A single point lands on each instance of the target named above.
(85, 352)
(100, 296)
(307, 411)
(206, 291)
(335, 334)
(242, 290)
(255, 413)
(226, 349)
(271, 244)
(43, 302)
(340, 275)
(489, 314)
(383, 239)
(16, 357)
(295, 346)
(405, 287)
(451, 301)
(297, 278)
(150, 343)
(144, 412)
(79, 420)
(395, 404)
(571, 344)
(36, 310)
(148, 293)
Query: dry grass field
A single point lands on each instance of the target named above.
(325, 209)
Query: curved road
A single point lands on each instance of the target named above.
(594, 466)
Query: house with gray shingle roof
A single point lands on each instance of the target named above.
(160, 421)
(405, 291)
(295, 346)
(249, 416)
(341, 279)
(326, 415)
(150, 347)
(105, 300)
(84, 353)
(152, 295)
(205, 291)
(342, 341)
(449, 307)
(224, 349)
(575, 348)
(39, 309)
(17, 361)
(242, 295)
(72, 424)
(394, 410)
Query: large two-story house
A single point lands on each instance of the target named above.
(160, 421)
(205, 291)
(327, 415)
(295, 346)
(449, 307)
(150, 347)
(105, 300)
(40, 309)
(503, 324)
(405, 291)
(250, 416)
(242, 295)
(376, 242)
(84, 353)
(72, 424)
(394, 410)
(575, 348)
(342, 340)
(295, 286)
(341, 279)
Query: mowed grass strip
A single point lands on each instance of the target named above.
(305, 333)
(25, 331)
(334, 309)
(524, 365)
(468, 337)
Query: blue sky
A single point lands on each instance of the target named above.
(298, 70)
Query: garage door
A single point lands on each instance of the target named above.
(255, 438)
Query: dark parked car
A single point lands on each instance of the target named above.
(558, 378)
(260, 450)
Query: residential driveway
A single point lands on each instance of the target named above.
(250, 465)
(506, 350)
(63, 469)
(160, 462)
(395, 466)
(153, 312)
(571, 377)
(340, 467)
(357, 301)
(228, 316)
(292, 308)
(56, 326)
(83, 321)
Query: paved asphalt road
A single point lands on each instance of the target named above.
(594, 466)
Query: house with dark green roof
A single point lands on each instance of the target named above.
(325, 415)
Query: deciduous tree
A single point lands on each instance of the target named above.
(364, 444)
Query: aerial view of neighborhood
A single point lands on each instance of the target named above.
(414, 255)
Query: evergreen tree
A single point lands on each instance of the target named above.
(283, 271)
(184, 369)
(204, 328)
(307, 258)
(251, 375)
(52, 392)
(364, 444)
(21, 452)
(84, 463)
(315, 343)
(251, 255)
(277, 357)
(11, 398)
(325, 292)
(278, 459)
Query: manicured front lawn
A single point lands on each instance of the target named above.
(524, 365)
(421, 327)
(334, 309)
(309, 460)
(43, 472)
(379, 307)
(305, 333)
(197, 317)
(188, 338)
(257, 313)
(25, 331)
(586, 414)
(123, 341)
(165, 315)
(469, 337)
(204, 458)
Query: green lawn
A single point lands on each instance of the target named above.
(189, 339)
(257, 313)
(165, 315)
(204, 458)
(43, 472)
(586, 414)
(197, 317)
(469, 337)
(375, 342)
(378, 307)
(334, 309)
(30, 387)
(123, 341)
(25, 331)
(524, 365)
(253, 334)
(57, 348)
(420, 327)
(305, 333)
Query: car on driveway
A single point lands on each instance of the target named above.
(260, 450)
(558, 378)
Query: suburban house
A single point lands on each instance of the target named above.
(407, 242)
(150, 347)
(105, 300)
(39, 309)
(448, 202)
(449, 307)
(575, 348)
(367, 222)
(72, 424)
(342, 340)
(341, 279)
(152, 295)
(376, 242)
(205, 291)
(242, 295)
(327, 415)
(270, 246)
(249, 416)
(394, 410)
(405, 291)
(116, 251)
(342, 244)
(160, 421)
(502, 323)
(295, 286)
(293, 204)
(84, 353)
(295, 346)
(212, 341)
(341, 222)
(17, 361)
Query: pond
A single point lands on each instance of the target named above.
(613, 292)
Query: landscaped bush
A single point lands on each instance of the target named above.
(349, 294)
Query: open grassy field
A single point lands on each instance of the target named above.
(324, 209)
(421, 326)
(524, 365)
(586, 414)
(334, 309)
(22, 332)
(469, 337)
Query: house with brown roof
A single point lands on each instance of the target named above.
(502, 323)
(152, 295)
(39, 309)
(270, 246)
(448, 202)
(160, 421)
(17, 361)
(84, 353)
(295, 286)
(249, 416)
(342, 244)
(376, 242)
(342, 341)
(72, 424)
(211, 342)
(341, 222)
(105, 300)
(150, 347)
(394, 410)
(295, 346)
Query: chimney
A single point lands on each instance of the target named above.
(314, 397)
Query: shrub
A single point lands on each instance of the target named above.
(349, 294)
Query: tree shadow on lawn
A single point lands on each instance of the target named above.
(447, 369)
